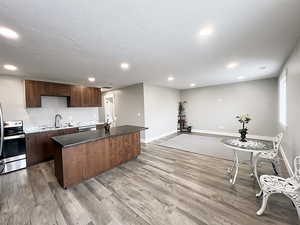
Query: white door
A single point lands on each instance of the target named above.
(109, 109)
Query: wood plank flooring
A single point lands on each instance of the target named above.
(162, 186)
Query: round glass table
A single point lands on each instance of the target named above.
(254, 147)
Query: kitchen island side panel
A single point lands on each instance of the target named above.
(77, 163)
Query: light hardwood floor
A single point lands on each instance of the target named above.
(162, 186)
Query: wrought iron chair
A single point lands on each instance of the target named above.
(273, 155)
(289, 187)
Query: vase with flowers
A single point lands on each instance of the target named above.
(243, 119)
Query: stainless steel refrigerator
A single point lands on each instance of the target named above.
(1, 138)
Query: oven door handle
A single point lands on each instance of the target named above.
(14, 137)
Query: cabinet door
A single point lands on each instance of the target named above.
(55, 89)
(76, 98)
(33, 93)
(87, 96)
(92, 97)
(82, 96)
(96, 97)
(99, 97)
(36, 148)
(71, 131)
(40, 147)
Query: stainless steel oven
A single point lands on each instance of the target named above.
(13, 146)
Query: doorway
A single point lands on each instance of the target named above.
(109, 109)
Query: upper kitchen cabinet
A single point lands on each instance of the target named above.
(91, 96)
(82, 96)
(33, 93)
(55, 89)
(78, 96)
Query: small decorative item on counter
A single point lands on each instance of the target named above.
(107, 127)
(243, 119)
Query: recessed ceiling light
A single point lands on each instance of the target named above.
(240, 77)
(232, 65)
(125, 66)
(10, 67)
(171, 78)
(206, 31)
(92, 79)
(192, 85)
(8, 33)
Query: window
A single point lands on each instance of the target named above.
(283, 98)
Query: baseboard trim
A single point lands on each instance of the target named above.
(228, 134)
(145, 140)
(286, 162)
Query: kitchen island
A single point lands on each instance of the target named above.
(84, 155)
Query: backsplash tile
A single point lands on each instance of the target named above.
(58, 105)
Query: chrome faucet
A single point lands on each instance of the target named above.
(58, 119)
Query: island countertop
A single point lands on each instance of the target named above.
(69, 140)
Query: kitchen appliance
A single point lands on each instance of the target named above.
(87, 128)
(12, 145)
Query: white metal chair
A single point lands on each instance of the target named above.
(289, 187)
(273, 155)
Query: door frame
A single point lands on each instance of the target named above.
(106, 97)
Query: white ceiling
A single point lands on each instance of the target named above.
(68, 40)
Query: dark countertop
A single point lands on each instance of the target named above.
(32, 130)
(69, 140)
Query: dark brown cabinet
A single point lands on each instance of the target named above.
(33, 93)
(82, 96)
(77, 163)
(40, 147)
(55, 89)
(78, 96)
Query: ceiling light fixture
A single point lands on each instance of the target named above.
(240, 77)
(192, 85)
(10, 67)
(171, 78)
(92, 79)
(206, 31)
(232, 65)
(8, 33)
(125, 66)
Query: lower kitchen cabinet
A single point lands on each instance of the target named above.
(40, 147)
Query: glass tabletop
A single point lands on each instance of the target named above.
(251, 145)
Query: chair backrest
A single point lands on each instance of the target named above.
(277, 141)
(297, 168)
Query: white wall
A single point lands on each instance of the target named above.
(146, 105)
(215, 107)
(129, 105)
(161, 109)
(291, 142)
(12, 98)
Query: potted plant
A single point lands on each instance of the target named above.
(243, 119)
